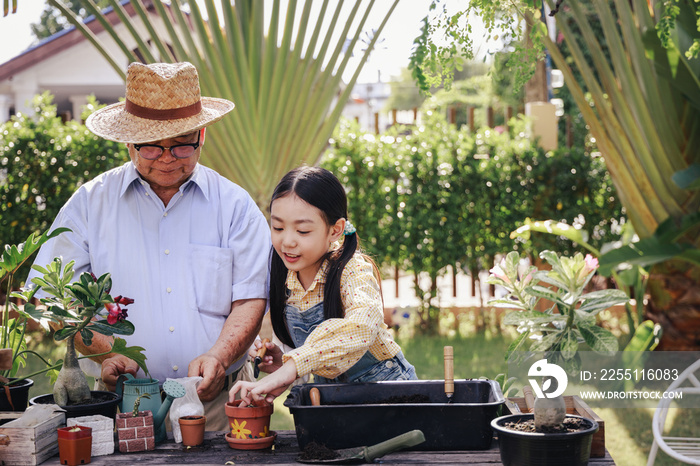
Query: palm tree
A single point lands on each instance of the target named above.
(285, 76)
(645, 118)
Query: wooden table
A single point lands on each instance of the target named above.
(215, 450)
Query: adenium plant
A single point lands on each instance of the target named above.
(82, 307)
(569, 317)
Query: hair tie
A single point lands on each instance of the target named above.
(349, 228)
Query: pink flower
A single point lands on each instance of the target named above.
(591, 264)
(498, 272)
(123, 300)
(116, 313)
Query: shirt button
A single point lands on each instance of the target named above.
(168, 289)
(165, 214)
(175, 368)
(167, 251)
(172, 329)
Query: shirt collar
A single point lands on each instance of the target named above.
(197, 177)
(293, 283)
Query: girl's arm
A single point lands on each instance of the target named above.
(269, 387)
(337, 344)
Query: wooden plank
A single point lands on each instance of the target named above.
(30, 445)
(215, 450)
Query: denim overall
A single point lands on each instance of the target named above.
(367, 369)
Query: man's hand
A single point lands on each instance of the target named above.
(213, 375)
(115, 366)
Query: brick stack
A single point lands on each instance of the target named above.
(102, 432)
(135, 433)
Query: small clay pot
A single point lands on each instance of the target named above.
(249, 422)
(74, 445)
(192, 430)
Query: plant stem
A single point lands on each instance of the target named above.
(56, 366)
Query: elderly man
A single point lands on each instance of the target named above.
(189, 246)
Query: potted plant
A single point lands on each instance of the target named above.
(74, 445)
(523, 443)
(549, 435)
(135, 429)
(192, 429)
(14, 391)
(81, 307)
(250, 425)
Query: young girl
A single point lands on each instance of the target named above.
(325, 302)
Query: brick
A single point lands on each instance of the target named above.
(138, 444)
(150, 443)
(123, 446)
(127, 434)
(135, 421)
(144, 432)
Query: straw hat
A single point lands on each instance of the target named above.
(162, 101)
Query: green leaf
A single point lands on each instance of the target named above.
(530, 318)
(86, 335)
(65, 332)
(517, 345)
(123, 327)
(600, 300)
(569, 344)
(552, 227)
(546, 342)
(646, 337)
(132, 352)
(506, 303)
(598, 339)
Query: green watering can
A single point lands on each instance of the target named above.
(130, 388)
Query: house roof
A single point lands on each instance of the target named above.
(61, 41)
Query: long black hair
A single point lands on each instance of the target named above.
(320, 188)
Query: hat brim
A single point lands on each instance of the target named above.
(115, 124)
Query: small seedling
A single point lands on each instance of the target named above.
(137, 403)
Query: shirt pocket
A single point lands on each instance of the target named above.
(212, 276)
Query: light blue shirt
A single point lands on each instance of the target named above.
(183, 264)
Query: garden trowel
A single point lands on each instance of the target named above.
(368, 454)
(258, 357)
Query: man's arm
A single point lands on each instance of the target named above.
(240, 329)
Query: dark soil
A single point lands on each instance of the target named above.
(315, 451)
(96, 398)
(570, 424)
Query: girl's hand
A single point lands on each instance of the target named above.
(267, 388)
(272, 359)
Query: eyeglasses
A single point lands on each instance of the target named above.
(179, 151)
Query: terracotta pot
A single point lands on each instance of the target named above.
(192, 430)
(249, 422)
(74, 445)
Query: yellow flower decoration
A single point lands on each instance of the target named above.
(264, 433)
(238, 430)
